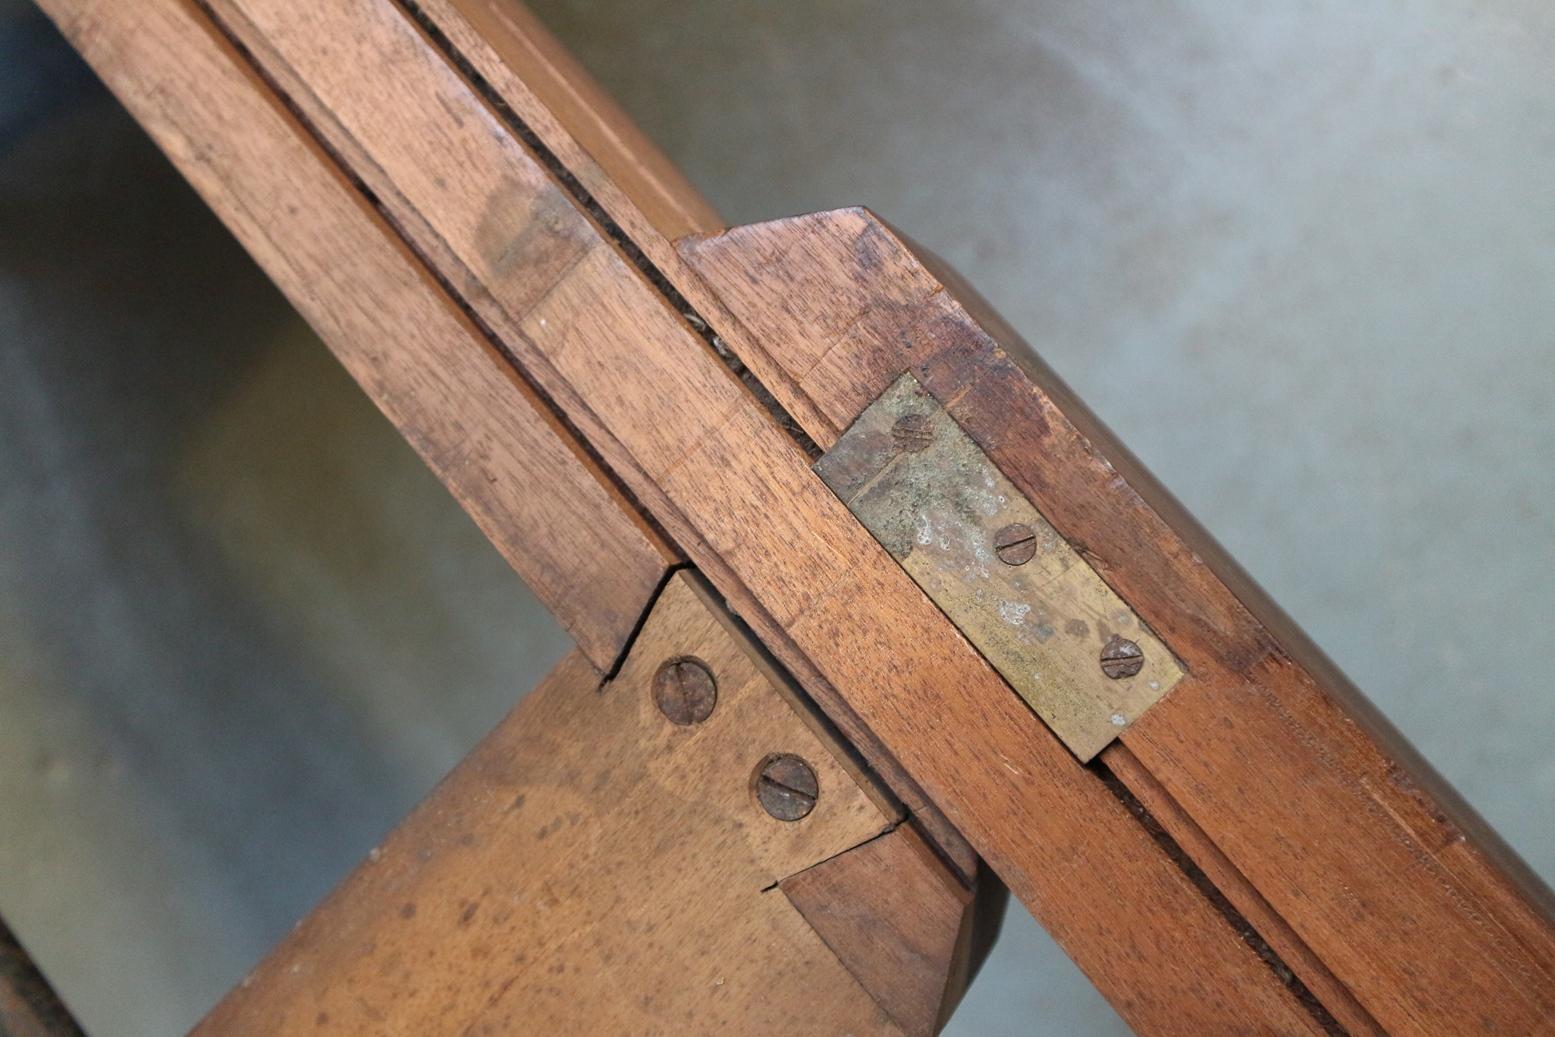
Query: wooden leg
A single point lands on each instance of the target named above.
(598, 865)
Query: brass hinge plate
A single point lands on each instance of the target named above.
(933, 499)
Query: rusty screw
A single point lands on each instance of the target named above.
(1121, 658)
(684, 691)
(912, 433)
(786, 787)
(1015, 544)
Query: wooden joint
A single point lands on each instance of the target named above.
(603, 862)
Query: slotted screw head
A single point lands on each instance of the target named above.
(684, 691)
(912, 433)
(786, 787)
(1015, 544)
(1121, 657)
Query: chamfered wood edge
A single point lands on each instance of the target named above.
(363, 235)
(890, 912)
(338, 252)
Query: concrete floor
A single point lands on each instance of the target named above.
(1301, 259)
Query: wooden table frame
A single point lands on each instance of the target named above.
(627, 397)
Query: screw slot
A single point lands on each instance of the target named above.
(1015, 544)
(786, 787)
(912, 433)
(1121, 658)
(684, 691)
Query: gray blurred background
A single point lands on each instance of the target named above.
(1300, 256)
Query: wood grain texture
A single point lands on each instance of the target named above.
(719, 475)
(313, 223)
(591, 868)
(491, 35)
(500, 263)
(735, 492)
(559, 83)
(530, 77)
(1264, 921)
(303, 222)
(450, 393)
(1398, 891)
(893, 917)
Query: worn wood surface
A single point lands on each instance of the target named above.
(490, 35)
(28, 1005)
(594, 868)
(890, 913)
(562, 86)
(433, 373)
(1390, 885)
(300, 217)
(277, 163)
(595, 149)
(732, 489)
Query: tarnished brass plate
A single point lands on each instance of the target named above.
(1035, 609)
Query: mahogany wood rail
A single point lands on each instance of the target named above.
(621, 390)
